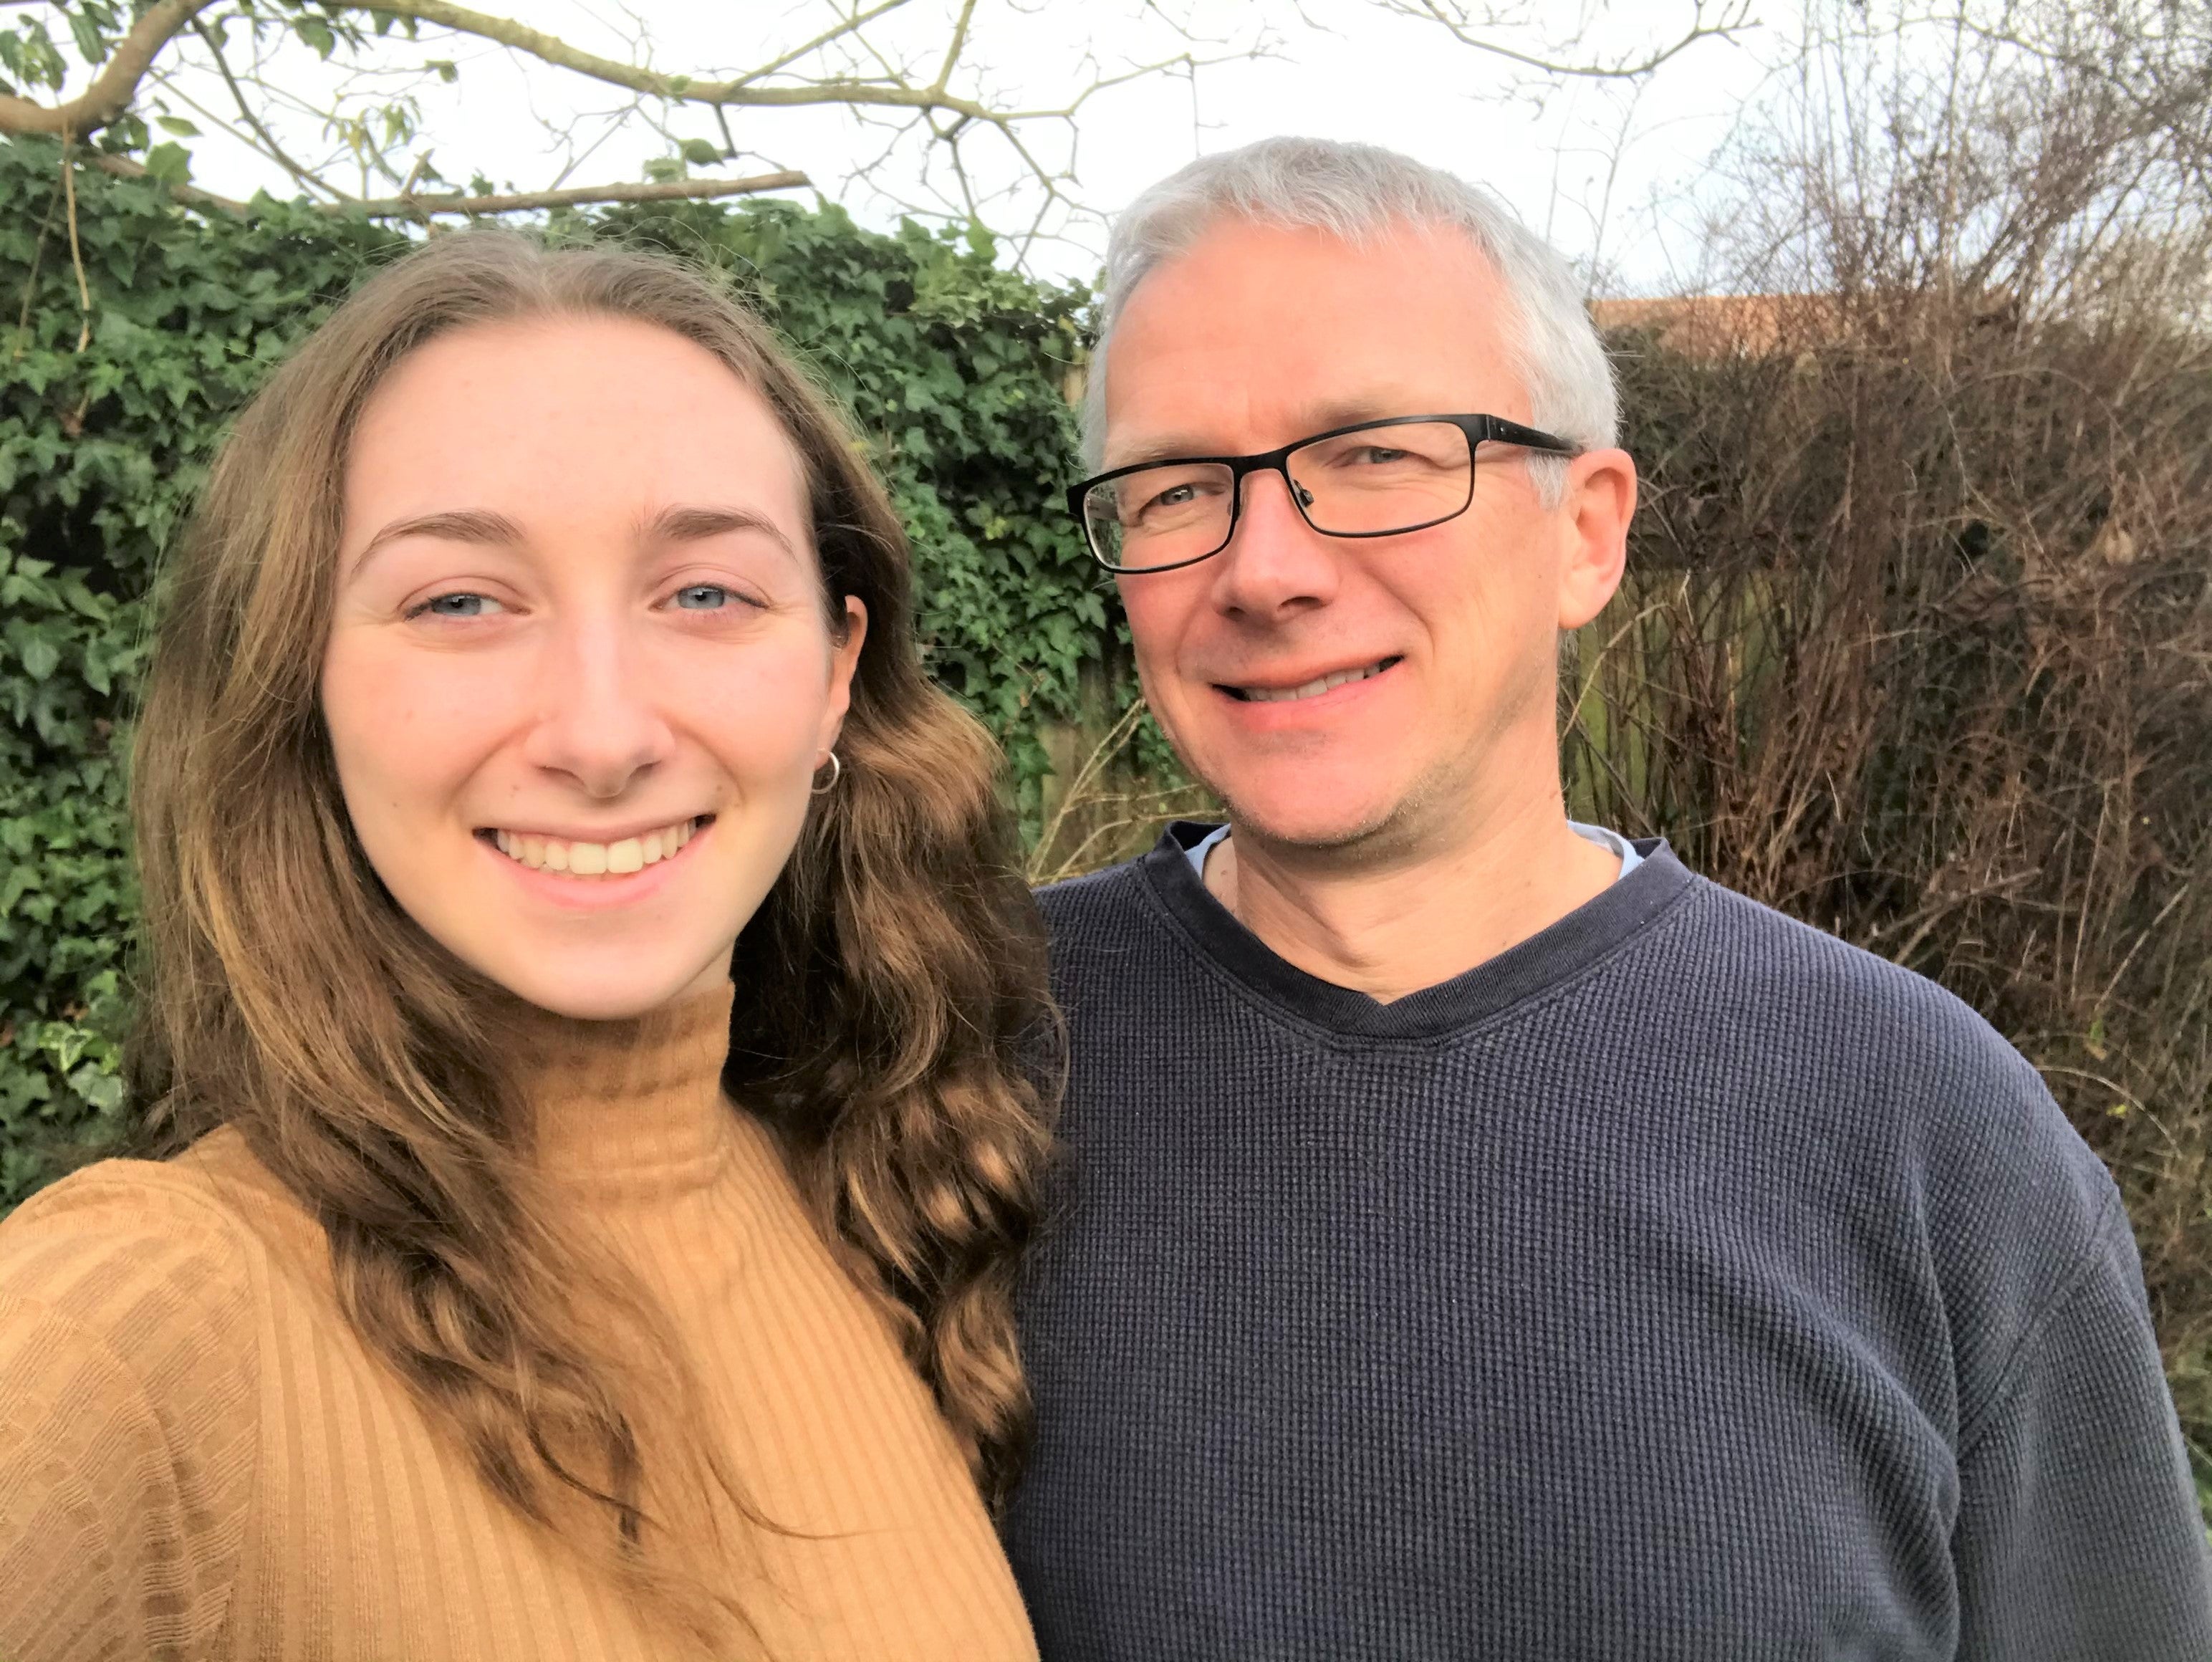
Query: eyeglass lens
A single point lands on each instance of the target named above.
(1369, 483)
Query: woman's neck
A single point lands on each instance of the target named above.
(635, 1103)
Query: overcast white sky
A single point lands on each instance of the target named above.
(1611, 171)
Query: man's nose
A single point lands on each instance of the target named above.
(1275, 562)
(600, 720)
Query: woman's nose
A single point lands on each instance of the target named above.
(600, 719)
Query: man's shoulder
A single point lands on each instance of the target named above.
(1730, 951)
(1088, 908)
(1887, 1056)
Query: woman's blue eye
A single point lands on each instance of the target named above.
(458, 606)
(703, 597)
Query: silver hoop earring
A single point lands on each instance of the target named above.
(836, 772)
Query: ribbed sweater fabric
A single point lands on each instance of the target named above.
(198, 1460)
(1679, 1285)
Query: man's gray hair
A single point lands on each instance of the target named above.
(1355, 192)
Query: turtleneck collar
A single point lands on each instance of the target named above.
(632, 1104)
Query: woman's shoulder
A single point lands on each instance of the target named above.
(97, 1233)
(130, 1299)
(133, 1258)
(147, 1279)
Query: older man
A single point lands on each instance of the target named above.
(1485, 1238)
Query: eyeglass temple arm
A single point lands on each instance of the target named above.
(1495, 427)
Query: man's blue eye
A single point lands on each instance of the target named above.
(703, 597)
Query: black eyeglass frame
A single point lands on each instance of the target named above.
(1478, 429)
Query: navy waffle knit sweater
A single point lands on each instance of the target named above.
(1682, 1284)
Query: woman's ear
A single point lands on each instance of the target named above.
(844, 660)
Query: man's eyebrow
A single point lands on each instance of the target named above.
(466, 525)
(1349, 412)
(1314, 418)
(691, 525)
(1167, 448)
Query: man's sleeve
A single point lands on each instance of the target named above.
(2078, 1538)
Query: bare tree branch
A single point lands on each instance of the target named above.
(842, 65)
(852, 25)
(111, 92)
(114, 87)
(676, 190)
(679, 88)
(1473, 30)
(959, 43)
(124, 168)
(417, 206)
(268, 139)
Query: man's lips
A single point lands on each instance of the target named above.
(1278, 689)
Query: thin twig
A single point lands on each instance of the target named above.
(1101, 754)
(76, 252)
(31, 283)
(277, 151)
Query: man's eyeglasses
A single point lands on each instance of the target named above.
(1373, 478)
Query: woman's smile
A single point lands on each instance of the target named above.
(578, 858)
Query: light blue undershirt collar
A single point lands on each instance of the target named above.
(1630, 860)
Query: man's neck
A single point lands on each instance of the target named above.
(1393, 928)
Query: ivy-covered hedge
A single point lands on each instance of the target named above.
(114, 397)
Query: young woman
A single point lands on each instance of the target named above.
(587, 988)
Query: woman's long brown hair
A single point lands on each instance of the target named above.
(890, 988)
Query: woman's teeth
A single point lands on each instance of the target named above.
(632, 854)
(1314, 688)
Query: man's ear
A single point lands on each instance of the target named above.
(1601, 502)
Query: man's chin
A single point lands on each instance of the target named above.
(1315, 826)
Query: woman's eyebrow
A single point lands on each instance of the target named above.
(686, 525)
(466, 525)
(492, 529)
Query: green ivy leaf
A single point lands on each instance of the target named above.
(41, 657)
(91, 43)
(170, 163)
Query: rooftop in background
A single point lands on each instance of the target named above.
(1720, 326)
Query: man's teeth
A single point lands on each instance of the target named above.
(632, 854)
(1311, 689)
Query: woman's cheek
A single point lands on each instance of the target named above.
(760, 711)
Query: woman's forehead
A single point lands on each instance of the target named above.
(606, 418)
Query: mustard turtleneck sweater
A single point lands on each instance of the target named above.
(198, 1460)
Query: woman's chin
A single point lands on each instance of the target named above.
(607, 993)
